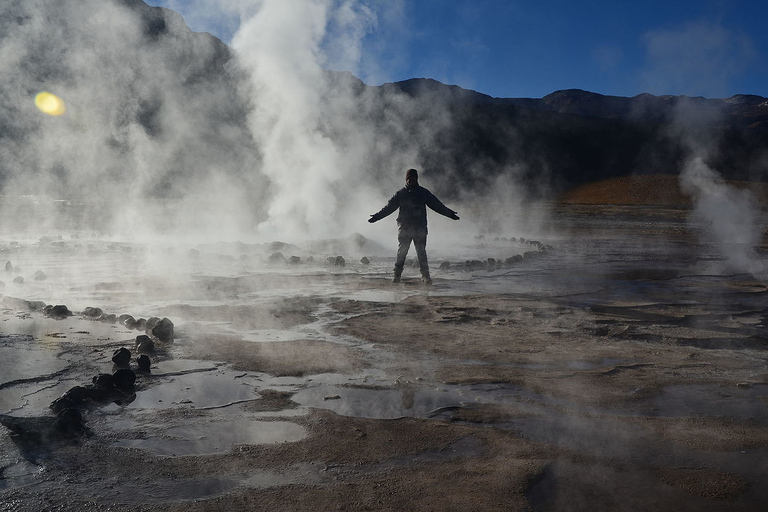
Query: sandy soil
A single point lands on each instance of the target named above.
(606, 375)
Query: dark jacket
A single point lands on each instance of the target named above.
(412, 202)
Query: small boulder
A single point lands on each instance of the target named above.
(163, 330)
(58, 312)
(18, 280)
(121, 357)
(109, 319)
(151, 323)
(144, 363)
(141, 324)
(40, 276)
(69, 422)
(340, 261)
(365, 261)
(276, 258)
(8, 266)
(103, 380)
(445, 265)
(124, 379)
(122, 318)
(144, 344)
(92, 313)
(294, 260)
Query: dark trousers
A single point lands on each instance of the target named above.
(419, 239)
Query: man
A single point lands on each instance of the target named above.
(412, 201)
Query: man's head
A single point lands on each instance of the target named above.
(412, 177)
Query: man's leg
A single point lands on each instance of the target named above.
(404, 243)
(420, 242)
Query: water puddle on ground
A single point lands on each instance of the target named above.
(203, 438)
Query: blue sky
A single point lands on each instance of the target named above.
(508, 48)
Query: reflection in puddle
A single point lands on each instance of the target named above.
(217, 437)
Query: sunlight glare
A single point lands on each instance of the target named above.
(50, 104)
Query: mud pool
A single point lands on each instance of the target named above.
(627, 353)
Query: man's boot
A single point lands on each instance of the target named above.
(425, 278)
(397, 277)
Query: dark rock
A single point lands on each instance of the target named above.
(62, 403)
(331, 260)
(163, 330)
(104, 380)
(294, 260)
(529, 255)
(109, 319)
(340, 261)
(445, 265)
(122, 318)
(121, 357)
(151, 323)
(512, 260)
(69, 422)
(15, 303)
(58, 312)
(410, 262)
(40, 276)
(130, 323)
(490, 265)
(276, 258)
(8, 266)
(365, 261)
(144, 363)
(311, 259)
(124, 379)
(18, 280)
(92, 313)
(144, 344)
(141, 324)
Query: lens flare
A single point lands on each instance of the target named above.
(50, 104)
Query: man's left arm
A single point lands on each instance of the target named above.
(436, 205)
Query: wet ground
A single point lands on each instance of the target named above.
(614, 362)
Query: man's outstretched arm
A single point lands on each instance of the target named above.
(435, 204)
(392, 205)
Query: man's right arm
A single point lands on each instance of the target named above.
(392, 205)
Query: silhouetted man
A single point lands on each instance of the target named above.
(412, 200)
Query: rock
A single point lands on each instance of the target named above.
(144, 344)
(124, 379)
(109, 319)
(92, 313)
(339, 261)
(69, 422)
(8, 266)
(58, 312)
(276, 258)
(311, 259)
(144, 363)
(331, 259)
(512, 260)
(151, 323)
(141, 324)
(294, 260)
(445, 265)
(121, 357)
(193, 254)
(365, 261)
(122, 318)
(529, 255)
(104, 380)
(18, 280)
(130, 323)
(163, 330)
(40, 276)
(490, 265)
(410, 262)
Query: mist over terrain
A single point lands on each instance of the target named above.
(167, 129)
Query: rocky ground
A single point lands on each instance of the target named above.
(625, 369)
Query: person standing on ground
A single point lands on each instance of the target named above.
(412, 200)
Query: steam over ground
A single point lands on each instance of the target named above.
(170, 131)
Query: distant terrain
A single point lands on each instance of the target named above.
(159, 106)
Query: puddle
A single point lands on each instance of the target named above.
(216, 437)
(32, 399)
(27, 363)
(214, 388)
